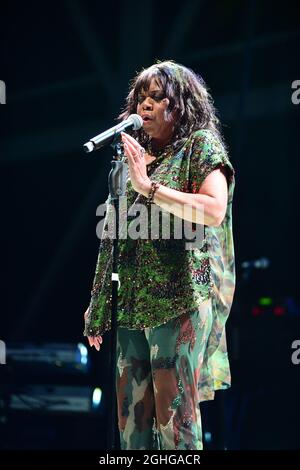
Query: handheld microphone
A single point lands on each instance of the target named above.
(134, 122)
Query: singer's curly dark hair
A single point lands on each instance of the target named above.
(188, 96)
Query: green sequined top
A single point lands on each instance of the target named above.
(160, 279)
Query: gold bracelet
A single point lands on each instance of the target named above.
(154, 188)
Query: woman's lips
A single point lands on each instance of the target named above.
(146, 120)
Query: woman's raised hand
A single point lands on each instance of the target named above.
(135, 154)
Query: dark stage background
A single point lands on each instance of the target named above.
(67, 66)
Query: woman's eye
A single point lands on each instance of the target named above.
(154, 96)
(158, 96)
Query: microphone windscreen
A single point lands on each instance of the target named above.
(136, 120)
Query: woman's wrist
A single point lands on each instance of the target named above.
(154, 187)
(146, 188)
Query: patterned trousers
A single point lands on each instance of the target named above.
(158, 371)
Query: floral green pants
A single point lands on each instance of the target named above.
(158, 370)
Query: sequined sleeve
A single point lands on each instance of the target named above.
(97, 312)
(208, 154)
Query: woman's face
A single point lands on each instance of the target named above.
(152, 106)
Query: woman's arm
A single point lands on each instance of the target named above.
(208, 206)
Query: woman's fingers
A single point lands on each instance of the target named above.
(129, 149)
(130, 144)
(131, 139)
(95, 341)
